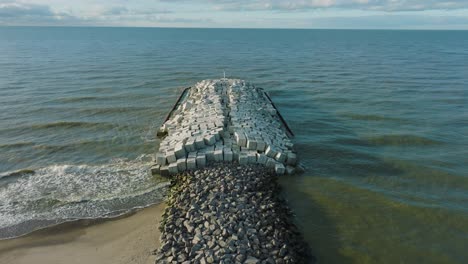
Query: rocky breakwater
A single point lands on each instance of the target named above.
(224, 146)
(229, 213)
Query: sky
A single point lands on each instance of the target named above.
(343, 14)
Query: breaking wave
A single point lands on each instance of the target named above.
(34, 199)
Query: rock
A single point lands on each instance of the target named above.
(257, 224)
(251, 260)
(283, 251)
(240, 258)
(188, 226)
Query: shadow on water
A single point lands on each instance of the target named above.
(319, 143)
(328, 147)
(317, 227)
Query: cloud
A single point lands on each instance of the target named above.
(390, 21)
(376, 5)
(18, 13)
(203, 13)
(124, 11)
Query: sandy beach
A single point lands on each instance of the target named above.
(130, 239)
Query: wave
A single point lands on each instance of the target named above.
(77, 99)
(67, 125)
(62, 192)
(18, 173)
(114, 110)
(16, 145)
(402, 140)
(72, 124)
(371, 117)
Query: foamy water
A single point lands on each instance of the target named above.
(60, 193)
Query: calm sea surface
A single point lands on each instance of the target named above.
(380, 117)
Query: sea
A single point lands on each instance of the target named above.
(380, 121)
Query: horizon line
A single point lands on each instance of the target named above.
(252, 28)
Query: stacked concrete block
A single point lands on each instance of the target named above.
(179, 151)
(161, 159)
(279, 168)
(243, 158)
(155, 169)
(173, 168)
(292, 159)
(280, 157)
(164, 171)
(191, 163)
(224, 120)
(261, 158)
(171, 157)
(290, 170)
(201, 160)
(218, 155)
(182, 164)
(228, 156)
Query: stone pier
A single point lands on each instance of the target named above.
(224, 146)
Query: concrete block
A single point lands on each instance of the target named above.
(210, 140)
(290, 170)
(171, 157)
(210, 155)
(217, 135)
(161, 159)
(243, 158)
(280, 157)
(261, 158)
(279, 169)
(251, 144)
(291, 159)
(199, 142)
(201, 160)
(241, 140)
(190, 145)
(192, 155)
(261, 146)
(270, 152)
(218, 154)
(228, 155)
(164, 171)
(173, 168)
(270, 163)
(191, 163)
(179, 151)
(289, 145)
(155, 170)
(252, 157)
(182, 164)
(235, 147)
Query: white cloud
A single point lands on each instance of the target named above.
(19, 13)
(209, 13)
(378, 5)
(28, 13)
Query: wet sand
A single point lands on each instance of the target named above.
(130, 239)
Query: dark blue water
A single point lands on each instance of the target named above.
(380, 118)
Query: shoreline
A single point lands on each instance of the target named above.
(130, 238)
